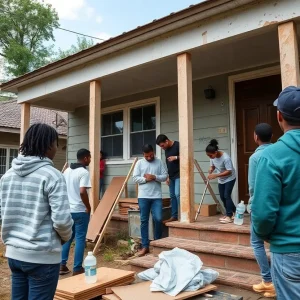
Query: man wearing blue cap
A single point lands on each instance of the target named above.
(276, 202)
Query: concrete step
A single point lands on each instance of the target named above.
(217, 255)
(232, 278)
(211, 230)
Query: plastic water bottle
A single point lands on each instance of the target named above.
(90, 268)
(239, 215)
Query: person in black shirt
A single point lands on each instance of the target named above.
(172, 159)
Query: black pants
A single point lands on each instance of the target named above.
(225, 191)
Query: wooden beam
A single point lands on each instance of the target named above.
(289, 57)
(185, 108)
(94, 141)
(25, 120)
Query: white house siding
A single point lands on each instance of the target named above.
(209, 116)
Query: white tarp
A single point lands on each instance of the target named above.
(176, 271)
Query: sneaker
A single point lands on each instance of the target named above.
(64, 270)
(270, 295)
(264, 287)
(81, 271)
(226, 220)
(222, 218)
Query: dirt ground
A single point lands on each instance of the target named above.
(105, 258)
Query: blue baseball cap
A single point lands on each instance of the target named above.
(288, 102)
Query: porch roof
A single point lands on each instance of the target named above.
(221, 36)
(157, 27)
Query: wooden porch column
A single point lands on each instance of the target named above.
(289, 57)
(185, 109)
(94, 141)
(25, 120)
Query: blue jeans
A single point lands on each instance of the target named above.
(101, 187)
(225, 190)
(33, 281)
(286, 275)
(261, 256)
(174, 189)
(80, 227)
(155, 206)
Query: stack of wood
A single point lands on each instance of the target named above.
(75, 288)
(142, 291)
(126, 204)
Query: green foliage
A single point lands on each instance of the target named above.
(82, 44)
(25, 26)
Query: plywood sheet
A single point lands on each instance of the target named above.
(100, 215)
(106, 277)
(143, 290)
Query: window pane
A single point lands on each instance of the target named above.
(117, 123)
(149, 121)
(13, 153)
(118, 146)
(136, 117)
(106, 143)
(136, 143)
(150, 138)
(3, 153)
(106, 125)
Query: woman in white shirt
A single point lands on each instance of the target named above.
(222, 163)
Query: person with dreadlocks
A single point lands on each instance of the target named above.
(36, 218)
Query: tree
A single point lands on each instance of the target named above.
(25, 25)
(82, 44)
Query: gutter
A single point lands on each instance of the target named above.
(141, 34)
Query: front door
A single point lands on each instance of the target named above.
(254, 105)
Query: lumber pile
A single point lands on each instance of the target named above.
(142, 290)
(126, 204)
(75, 288)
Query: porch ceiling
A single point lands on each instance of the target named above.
(242, 52)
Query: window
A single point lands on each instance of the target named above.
(112, 134)
(126, 128)
(142, 129)
(6, 156)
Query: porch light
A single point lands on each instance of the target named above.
(210, 93)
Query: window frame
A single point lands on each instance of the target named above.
(127, 159)
(8, 148)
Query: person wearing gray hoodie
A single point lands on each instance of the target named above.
(36, 218)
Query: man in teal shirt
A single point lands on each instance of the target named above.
(262, 137)
(276, 219)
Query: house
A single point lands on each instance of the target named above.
(10, 123)
(125, 91)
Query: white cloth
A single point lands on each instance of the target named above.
(75, 179)
(176, 271)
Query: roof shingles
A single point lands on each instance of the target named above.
(10, 116)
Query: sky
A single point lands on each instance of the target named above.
(108, 18)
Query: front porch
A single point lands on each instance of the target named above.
(225, 248)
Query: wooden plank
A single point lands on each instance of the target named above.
(94, 141)
(143, 290)
(185, 117)
(100, 215)
(111, 297)
(113, 207)
(221, 208)
(289, 57)
(128, 200)
(25, 120)
(106, 277)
